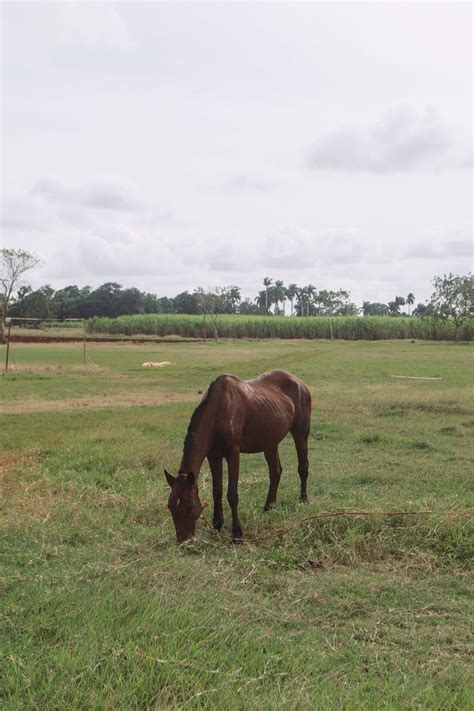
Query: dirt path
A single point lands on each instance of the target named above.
(99, 339)
(123, 399)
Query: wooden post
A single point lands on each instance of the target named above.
(8, 346)
(330, 329)
(85, 354)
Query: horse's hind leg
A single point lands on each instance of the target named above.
(301, 444)
(233, 462)
(215, 463)
(274, 471)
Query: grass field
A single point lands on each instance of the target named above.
(102, 610)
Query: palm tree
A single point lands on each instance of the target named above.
(262, 299)
(301, 300)
(278, 293)
(311, 294)
(305, 298)
(234, 297)
(394, 306)
(271, 298)
(291, 292)
(266, 283)
(410, 300)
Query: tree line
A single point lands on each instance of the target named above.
(111, 299)
(452, 298)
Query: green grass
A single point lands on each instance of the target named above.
(102, 610)
(345, 327)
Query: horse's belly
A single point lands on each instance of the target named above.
(261, 438)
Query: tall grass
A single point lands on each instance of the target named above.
(370, 328)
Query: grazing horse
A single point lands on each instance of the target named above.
(239, 416)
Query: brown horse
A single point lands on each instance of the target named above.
(239, 416)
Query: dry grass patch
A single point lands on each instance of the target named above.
(81, 369)
(26, 494)
(121, 399)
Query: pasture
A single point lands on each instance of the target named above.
(102, 610)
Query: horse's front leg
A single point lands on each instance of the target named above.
(215, 463)
(233, 463)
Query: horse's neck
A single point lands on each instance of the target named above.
(199, 443)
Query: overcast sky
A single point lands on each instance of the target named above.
(173, 145)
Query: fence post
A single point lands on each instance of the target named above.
(8, 346)
(85, 354)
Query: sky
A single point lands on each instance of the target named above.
(174, 145)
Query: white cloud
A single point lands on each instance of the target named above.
(247, 182)
(226, 259)
(403, 140)
(459, 246)
(296, 249)
(107, 192)
(32, 31)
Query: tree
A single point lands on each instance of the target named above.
(347, 308)
(306, 296)
(14, 263)
(266, 283)
(230, 299)
(165, 305)
(105, 300)
(248, 308)
(335, 303)
(375, 308)
(394, 306)
(422, 310)
(311, 295)
(186, 303)
(301, 298)
(262, 300)
(210, 303)
(151, 304)
(278, 294)
(453, 299)
(37, 304)
(410, 300)
(72, 302)
(130, 301)
(291, 293)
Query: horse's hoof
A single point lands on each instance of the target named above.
(217, 525)
(304, 499)
(237, 535)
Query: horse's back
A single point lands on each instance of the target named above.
(261, 411)
(288, 383)
(269, 383)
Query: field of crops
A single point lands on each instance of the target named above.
(101, 608)
(349, 328)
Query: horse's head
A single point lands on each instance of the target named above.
(184, 504)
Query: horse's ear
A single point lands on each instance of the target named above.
(190, 478)
(170, 479)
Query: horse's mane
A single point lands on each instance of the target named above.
(194, 422)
